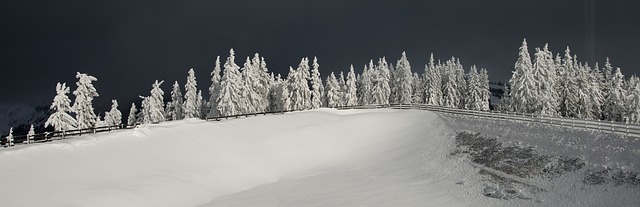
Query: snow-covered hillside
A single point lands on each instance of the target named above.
(325, 157)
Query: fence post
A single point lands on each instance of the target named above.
(573, 121)
(63, 134)
(612, 126)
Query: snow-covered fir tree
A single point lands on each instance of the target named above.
(484, 90)
(403, 78)
(584, 86)
(614, 100)
(114, 116)
(460, 80)
(60, 119)
(343, 89)
(131, 119)
(365, 84)
(633, 100)
(418, 89)
(230, 88)
(176, 106)
(252, 99)
(433, 83)
(200, 104)
(379, 76)
(475, 91)
(350, 97)
(317, 89)
(31, 134)
(143, 114)
(451, 96)
(153, 106)
(82, 107)
(299, 92)
(9, 138)
(263, 83)
(568, 88)
(191, 105)
(214, 89)
(334, 92)
(524, 91)
(279, 98)
(544, 72)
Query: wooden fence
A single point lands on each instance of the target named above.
(627, 129)
(60, 135)
(607, 126)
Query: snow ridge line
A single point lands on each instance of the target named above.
(627, 129)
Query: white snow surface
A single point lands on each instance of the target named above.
(323, 157)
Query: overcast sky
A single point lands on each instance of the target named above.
(129, 44)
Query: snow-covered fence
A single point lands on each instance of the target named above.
(59, 135)
(608, 126)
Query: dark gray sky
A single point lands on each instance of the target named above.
(129, 44)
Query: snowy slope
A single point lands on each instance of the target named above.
(324, 157)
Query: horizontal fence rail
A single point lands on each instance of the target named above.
(627, 129)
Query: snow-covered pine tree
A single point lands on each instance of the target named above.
(230, 88)
(317, 91)
(403, 80)
(484, 90)
(200, 104)
(382, 83)
(191, 109)
(568, 88)
(60, 119)
(474, 92)
(351, 99)
(114, 116)
(9, 138)
(433, 83)
(262, 83)
(299, 86)
(250, 99)
(279, 95)
(596, 81)
(450, 94)
(176, 106)
(31, 134)
(524, 91)
(633, 100)
(143, 115)
(293, 88)
(418, 89)
(334, 92)
(214, 89)
(545, 74)
(461, 82)
(583, 94)
(614, 101)
(366, 81)
(131, 119)
(343, 89)
(82, 106)
(156, 104)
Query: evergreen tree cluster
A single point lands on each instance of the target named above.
(253, 89)
(564, 86)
